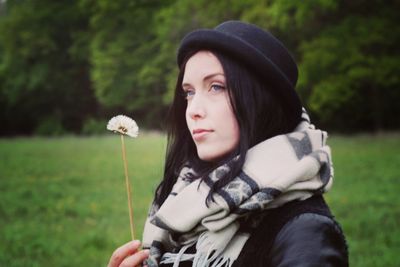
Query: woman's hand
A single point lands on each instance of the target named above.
(128, 255)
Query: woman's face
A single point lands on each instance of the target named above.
(209, 114)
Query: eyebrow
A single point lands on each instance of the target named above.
(208, 77)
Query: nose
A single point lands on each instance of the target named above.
(196, 107)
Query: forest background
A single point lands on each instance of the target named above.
(67, 66)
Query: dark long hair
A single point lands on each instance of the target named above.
(259, 113)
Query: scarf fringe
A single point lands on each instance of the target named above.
(203, 260)
(176, 258)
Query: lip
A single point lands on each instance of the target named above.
(199, 134)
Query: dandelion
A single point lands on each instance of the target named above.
(125, 126)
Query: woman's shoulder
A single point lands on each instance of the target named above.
(309, 239)
(300, 233)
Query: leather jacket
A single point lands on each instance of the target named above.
(299, 234)
(307, 240)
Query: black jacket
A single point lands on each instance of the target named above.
(298, 234)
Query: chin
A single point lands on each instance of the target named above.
(210, 155)
(206, 157)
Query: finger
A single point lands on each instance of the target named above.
(122, 252)
(135, 259)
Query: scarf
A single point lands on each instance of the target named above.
(286, 167)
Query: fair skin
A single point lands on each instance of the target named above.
(211, 122)
(128, 255)
(209, 114)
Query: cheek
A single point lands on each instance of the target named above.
(232, 131)
(187, 117)
(229, 128)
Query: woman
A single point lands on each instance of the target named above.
(245, 170)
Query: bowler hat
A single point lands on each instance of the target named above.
(258, 50)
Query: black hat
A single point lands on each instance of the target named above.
(256, 49)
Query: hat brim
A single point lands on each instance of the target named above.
(206, 39)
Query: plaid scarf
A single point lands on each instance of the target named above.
(287, 167)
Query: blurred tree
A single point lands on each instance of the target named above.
(43, 66)
(133, 49)
(63, 62)
(355, 73)
(121, 47)
(349, 61)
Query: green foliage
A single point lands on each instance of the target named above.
(42, 70)
(121, 46)
(94, 126)
(347, 55)
(63, 200)
(350, 63)
(86, 58)
(50, 126)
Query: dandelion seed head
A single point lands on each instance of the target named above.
(124, 125)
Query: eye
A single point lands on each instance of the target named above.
(217, 87)
(188, 93)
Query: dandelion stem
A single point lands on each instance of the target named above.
(128, 188)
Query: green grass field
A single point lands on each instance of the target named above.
(63, 200)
